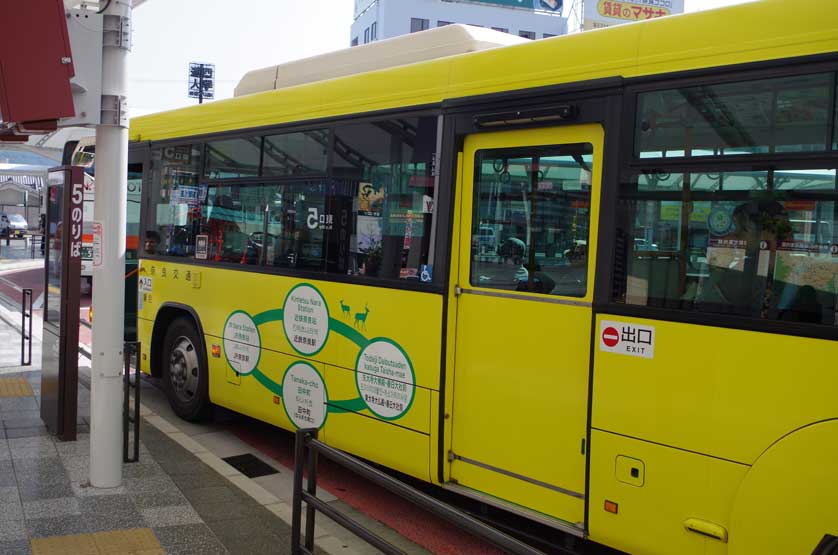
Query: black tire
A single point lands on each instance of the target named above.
(185, 375)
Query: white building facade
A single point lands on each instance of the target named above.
(382, 19)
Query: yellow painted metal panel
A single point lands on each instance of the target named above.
(677, 486)
(525, 494)
(746, 389)
(522, 366)
(144, 330)
(787, 501)
(409, 318)
(396, 345)
(258, 398)
(342, 388)
(451, 338)
(383, 443)
(770, 29)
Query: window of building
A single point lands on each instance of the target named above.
(501, 29)
(296, 153)
(548, 35)
(233, 158)
(374, 31)
(441, 23)
(527, 34)
(531, 218)
(418, 24)
(355, 41)
(367, 35)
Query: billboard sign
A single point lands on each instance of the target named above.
(542, 5)
(605, 13)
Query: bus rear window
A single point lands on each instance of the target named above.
(760, 244)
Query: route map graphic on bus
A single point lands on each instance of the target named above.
(384, 375)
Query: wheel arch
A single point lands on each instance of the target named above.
(168, 313)
(784, 503)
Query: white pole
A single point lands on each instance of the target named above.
(109, 277)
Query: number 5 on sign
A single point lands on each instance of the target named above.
(313, 219)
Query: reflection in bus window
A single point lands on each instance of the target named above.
(233, 158)
(302, 153)
(383, 202)
(371, 215)
(531, 218)
(789, 114)
(757, 244)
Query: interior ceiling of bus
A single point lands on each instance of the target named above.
(675, 43)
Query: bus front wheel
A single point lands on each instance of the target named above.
(185, 377)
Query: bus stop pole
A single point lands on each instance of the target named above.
(109, 270)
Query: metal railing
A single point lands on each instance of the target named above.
(131, 350)
(26, 330)
(306, 451)
(37, 243)
(25, 321)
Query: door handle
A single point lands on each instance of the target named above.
(706, 528)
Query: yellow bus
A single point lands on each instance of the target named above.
(561, 277)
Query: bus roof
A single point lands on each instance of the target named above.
(397, 51)
(763, 30)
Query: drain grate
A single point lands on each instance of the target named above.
(250, 466)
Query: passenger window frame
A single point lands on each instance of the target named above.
(627, 163)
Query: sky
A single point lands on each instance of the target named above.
(237, 37)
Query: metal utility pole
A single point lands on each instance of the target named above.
(109, 276)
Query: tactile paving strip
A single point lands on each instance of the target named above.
(15, 387)
(139, 541)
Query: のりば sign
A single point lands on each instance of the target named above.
(625, 338)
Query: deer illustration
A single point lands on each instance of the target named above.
(344, 309)
(361, 317)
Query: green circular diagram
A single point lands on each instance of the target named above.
(242, 342)
(385, 379)
(304, 396)
(305, 319)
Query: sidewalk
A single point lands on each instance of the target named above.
(18, 254)
(170, 502)
(181, 498)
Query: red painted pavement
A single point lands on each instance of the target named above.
(422, 528)
(34, 279)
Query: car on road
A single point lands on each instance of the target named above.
(12, 225)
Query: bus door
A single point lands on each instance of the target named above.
(523, 305)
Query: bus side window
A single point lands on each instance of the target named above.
(530, 223)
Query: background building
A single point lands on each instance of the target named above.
(597, 14)
(382, 19)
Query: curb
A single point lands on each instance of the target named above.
(331, 544)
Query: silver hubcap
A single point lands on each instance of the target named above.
(183, 369)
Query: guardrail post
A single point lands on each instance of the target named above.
(26, 330)
(130, 350)
(297, 495)
(311, 489)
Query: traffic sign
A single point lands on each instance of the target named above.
(610, 336)
(201, 81)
